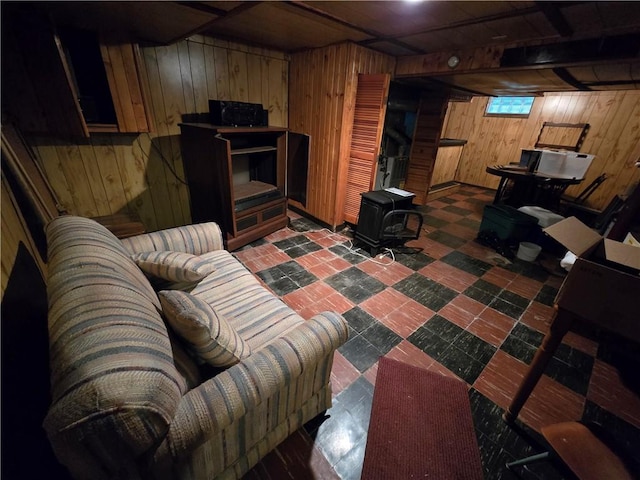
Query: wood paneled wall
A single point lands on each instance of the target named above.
(14, 233)
(143, 173)
(446, 165)
(613, 137)
(322, 91)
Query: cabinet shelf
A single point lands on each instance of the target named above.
(249, 150)
(102, 128)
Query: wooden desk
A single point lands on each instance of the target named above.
(529, 188)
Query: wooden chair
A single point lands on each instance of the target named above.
(583, 450)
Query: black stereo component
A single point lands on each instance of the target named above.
(530, 159)
(237, 114)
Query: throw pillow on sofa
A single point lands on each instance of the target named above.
(173, 266)
(212, 338)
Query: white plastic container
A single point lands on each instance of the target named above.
(564, 164)
(576, 165)
(545, 217)
(528, 251)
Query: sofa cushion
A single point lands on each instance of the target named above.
(173, 266)
(197, 239)
(211, 336)
(237, 295)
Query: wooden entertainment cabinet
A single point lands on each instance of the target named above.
(240, 177)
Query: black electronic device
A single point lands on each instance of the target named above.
(237, 114)
(530, 159)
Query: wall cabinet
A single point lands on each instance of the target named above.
(240, 177)
(70, 82)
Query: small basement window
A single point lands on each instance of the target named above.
(509, 106)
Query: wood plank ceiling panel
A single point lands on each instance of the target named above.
(158, 22)
(282, 26)
(601, 17)
(521, 28)
(386, 18)
(429, 18)
(223, 5)
(395, 28)
(391, 48)
(507, 83)
(511, 30)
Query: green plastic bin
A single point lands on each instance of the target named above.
(507, 222)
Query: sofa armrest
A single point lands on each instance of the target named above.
(195, 239)
(220, 401)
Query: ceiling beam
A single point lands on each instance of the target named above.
(564, 75)
(203, 7)
(430, 64)
(496, 59)
(614, 83)
(613, 48)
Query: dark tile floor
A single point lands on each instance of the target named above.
(449, 305)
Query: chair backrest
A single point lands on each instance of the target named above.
(588, 191)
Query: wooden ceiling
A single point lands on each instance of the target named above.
(595, 45)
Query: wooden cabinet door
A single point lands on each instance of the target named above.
(40, 90)
(368, 122)
(123, 65)
(206, 160)
(36, 70)
(297, 167)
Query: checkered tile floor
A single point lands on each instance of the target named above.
(450, 305)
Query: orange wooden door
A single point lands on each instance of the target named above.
(368, 122)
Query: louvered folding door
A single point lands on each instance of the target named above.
(368, 122)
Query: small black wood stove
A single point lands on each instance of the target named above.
(387, 219)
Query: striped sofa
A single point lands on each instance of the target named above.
(129, 401)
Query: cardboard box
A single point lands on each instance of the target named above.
(603, 286)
